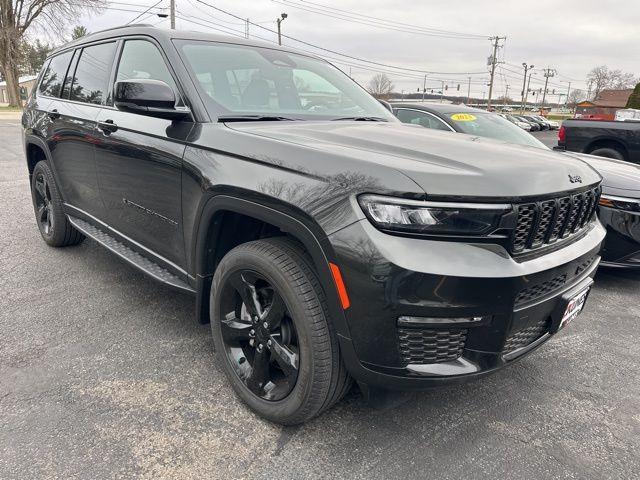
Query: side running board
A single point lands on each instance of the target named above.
(130, 256)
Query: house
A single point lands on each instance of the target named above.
(26, 85)
(605, 105)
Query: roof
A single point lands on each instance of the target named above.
(438, 107)
(167, 34)
(613, 98)
(23, 79)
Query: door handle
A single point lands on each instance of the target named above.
(107, 126)
(54, 114)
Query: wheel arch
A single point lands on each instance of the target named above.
(311, 236)
(605, 142)
(35, 150)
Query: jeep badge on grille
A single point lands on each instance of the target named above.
(575, 178)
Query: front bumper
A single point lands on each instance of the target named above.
(388, 277)
(622, 246)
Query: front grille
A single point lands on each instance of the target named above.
(540, 290)
(542, 223)
(525, 336)
(586, 264)
(430, 346)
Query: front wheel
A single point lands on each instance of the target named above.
(272, 332)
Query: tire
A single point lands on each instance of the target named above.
(321, 378)
(53, 224)
(608, 153)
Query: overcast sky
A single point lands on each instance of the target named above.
(571, 36)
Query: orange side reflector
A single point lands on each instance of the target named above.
(342, 291)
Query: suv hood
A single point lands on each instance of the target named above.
(441, 164)
(617, 174)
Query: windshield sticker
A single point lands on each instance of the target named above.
(463, 117)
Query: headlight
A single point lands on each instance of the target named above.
(620, 203)
(435, 218)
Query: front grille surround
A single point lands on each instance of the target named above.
(424, 346)
(542, 223)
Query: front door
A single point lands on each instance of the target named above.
(139, 162)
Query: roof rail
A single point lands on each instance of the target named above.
(122, 26)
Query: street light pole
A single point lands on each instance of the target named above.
(568, 92)
(526, 94)
(548, 73)
(469, 91)
(172, 13)
(279, 21)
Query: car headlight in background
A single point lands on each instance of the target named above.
(434, 218)
(620, 203)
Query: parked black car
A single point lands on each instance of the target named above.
(541, 123)
(619, 208)
(618, 140)
(535, 126)
(323, 239)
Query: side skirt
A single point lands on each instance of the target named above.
(130, 256)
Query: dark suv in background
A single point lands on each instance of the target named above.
(324, 240)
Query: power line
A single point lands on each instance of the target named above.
(340, 53)
(377, 22)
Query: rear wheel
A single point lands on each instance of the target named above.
(53, 224)
(608, 153)
(272, 333)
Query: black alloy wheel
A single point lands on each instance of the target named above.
(44, 208)
(54, 226)
(272, 332)
(259, 336)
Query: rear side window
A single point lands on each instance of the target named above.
(53, 78)
(91, 78)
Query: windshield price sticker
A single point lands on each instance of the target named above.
(463, 117)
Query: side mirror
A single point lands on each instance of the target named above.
(147, 97)
(386, 105)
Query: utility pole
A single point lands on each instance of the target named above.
(172, 13)
(493, 62)
(246, 28)
(568, 92)
(524, 84)
(506, 94)
(424, 88)
(279, 21)
(469, 91)
(548, 73)
(442, 91)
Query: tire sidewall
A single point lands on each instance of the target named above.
(291, 405)
(57, 229)
(608, 153)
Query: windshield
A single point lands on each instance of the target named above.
(493, 126)
(239, 80)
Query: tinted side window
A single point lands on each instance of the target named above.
(53, 78)
(421, 118)
(91, 77)
(141, 59)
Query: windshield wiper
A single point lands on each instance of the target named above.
(253, 118)
(363, 119)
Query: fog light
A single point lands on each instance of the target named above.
(406, 321)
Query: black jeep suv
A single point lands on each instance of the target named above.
(324, 240)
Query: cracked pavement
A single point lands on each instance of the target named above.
(106, 374)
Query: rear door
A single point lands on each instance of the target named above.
(139, 160)
(73, 111)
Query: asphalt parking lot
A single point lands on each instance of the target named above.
(106, 374)
(548, 137)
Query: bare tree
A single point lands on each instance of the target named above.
(576, 96)
(18, 17)
(380, 86)
(601, 77)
